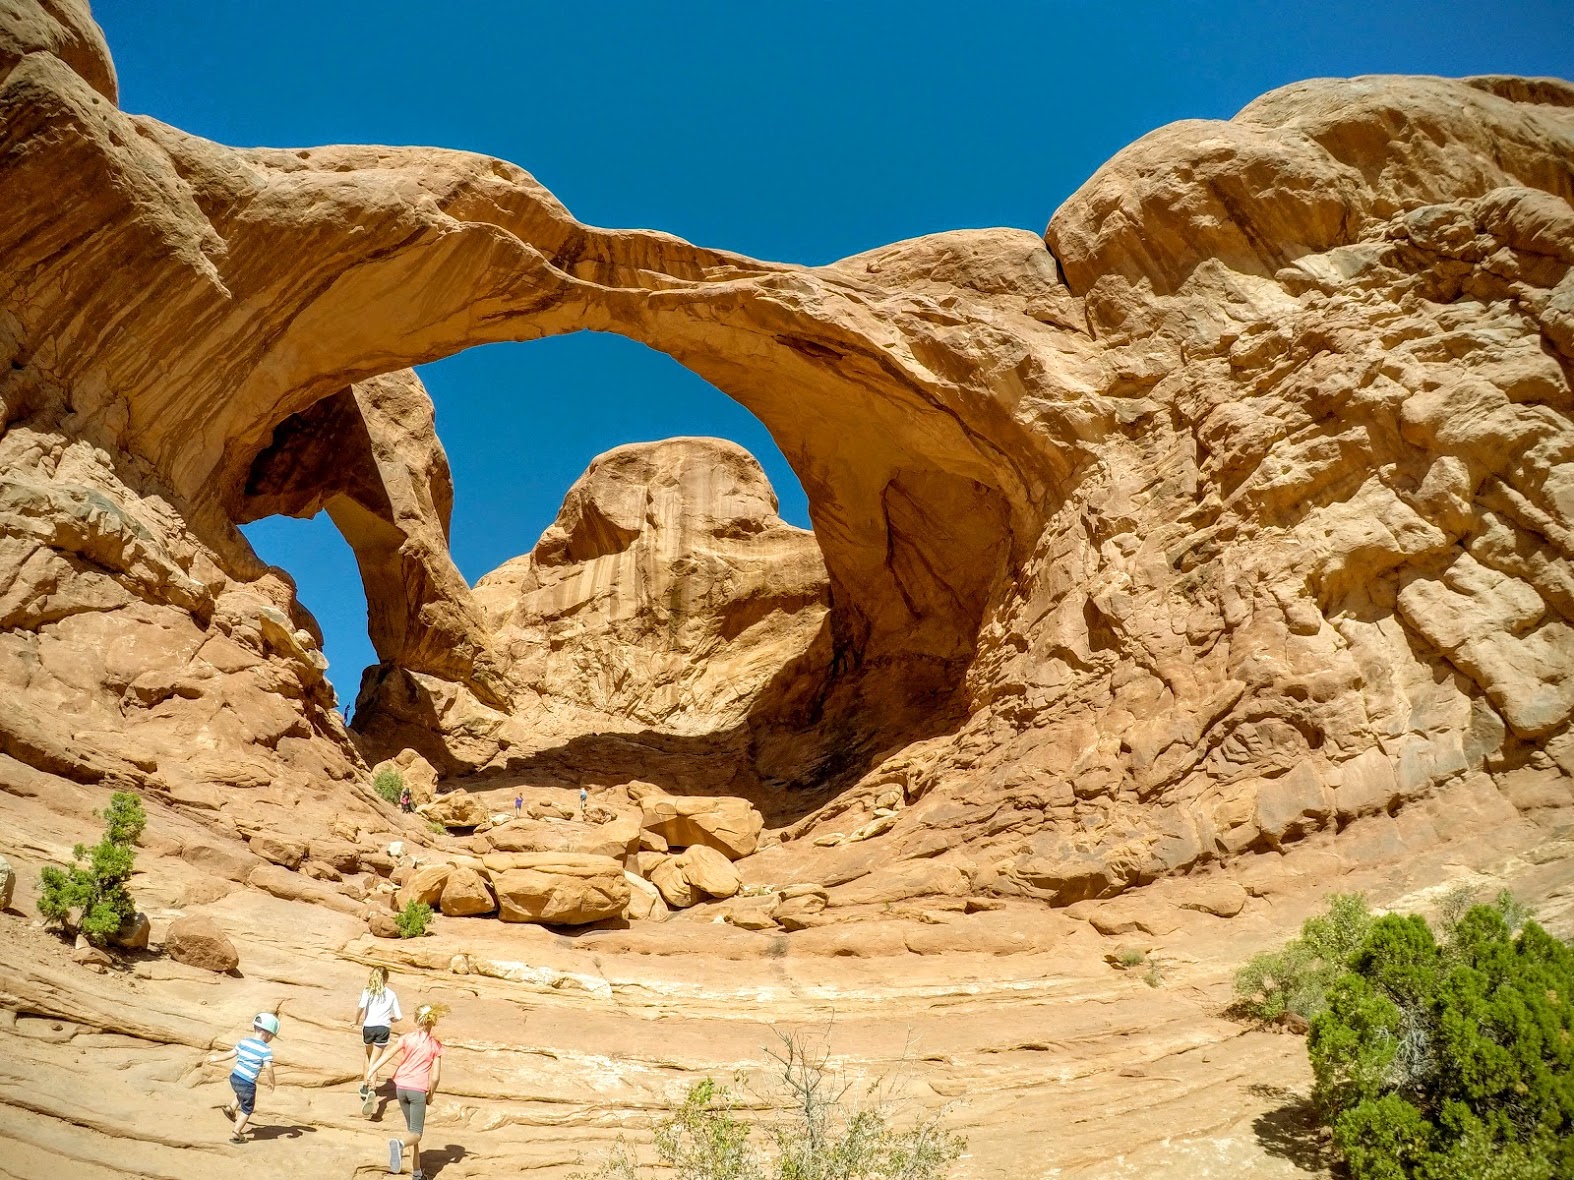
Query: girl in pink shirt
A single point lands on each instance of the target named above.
(415, 1081)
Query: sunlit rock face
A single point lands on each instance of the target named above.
(1233, 511)
(667, 598)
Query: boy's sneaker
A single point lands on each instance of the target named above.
(395, 1156)
(368, 1101)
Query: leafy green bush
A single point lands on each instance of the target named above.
(389, 784)
(826, 1135)
(413, 919)
(1296, 978)
(1436, 1060)
(91, 896)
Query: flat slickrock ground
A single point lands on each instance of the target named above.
(1053, 1063)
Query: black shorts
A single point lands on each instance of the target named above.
(374, 1034)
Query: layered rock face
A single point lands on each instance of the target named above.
(667, 596)
(1230, 511)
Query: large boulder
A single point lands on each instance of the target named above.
(197, 941)
(465, 894)
(731, 826)
(457, 809)
(340, 855)
(561, 888)
(133, 933)
(418, 774)
(424, 885)
(667, 875)
(645, 900)
(279, 849)
(708, 871)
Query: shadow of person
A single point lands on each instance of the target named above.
(286, 1131)
(435, 1159)
(1291, 1131)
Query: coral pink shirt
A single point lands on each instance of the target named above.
(415, 1071)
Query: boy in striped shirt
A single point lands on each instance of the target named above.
(253, 1059)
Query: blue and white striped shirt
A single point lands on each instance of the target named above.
(250, 1056)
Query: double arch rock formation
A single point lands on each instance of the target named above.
(1234, 509)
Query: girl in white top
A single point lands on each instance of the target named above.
(378, 1009)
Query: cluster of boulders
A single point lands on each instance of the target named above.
(552, 865)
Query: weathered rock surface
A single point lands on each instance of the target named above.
(7, 883)
(198, 942)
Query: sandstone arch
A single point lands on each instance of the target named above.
(1245, 484)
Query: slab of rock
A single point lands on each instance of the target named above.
(708, 871)
(90, 956)
(337, 853)
(1222, 899)
(197, 941)
(617, 839)
(561, 888)
(731, 826)
(801, 909)
(278, 849)
(457, 809)
(381, 923)
(7, 883)
(465, 894)
(752, 913)
(282, 883)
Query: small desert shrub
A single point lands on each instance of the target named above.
(413, 919)
(826, 1134)
(1128, 957)
(91, 896)
(1437, 1060)
(1296, 978)
(436, 828)
(388, 784)
(1154, 975)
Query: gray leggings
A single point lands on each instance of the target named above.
(412, 1103)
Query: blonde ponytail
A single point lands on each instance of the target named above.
(377, 982)
(427, 1015)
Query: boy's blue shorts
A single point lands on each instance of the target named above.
(245, 1093)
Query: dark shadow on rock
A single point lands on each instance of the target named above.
(1291, 1131)
(284, 1131)
(812, 732)
(434, 1160)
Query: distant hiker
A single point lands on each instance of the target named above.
(378, 1009)
(415, 1081)
(519, 804)
(406, 803)
(583, 795)
(253, 1059)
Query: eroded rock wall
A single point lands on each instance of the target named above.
(1229, 513)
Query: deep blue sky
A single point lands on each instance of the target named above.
(801, 132)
